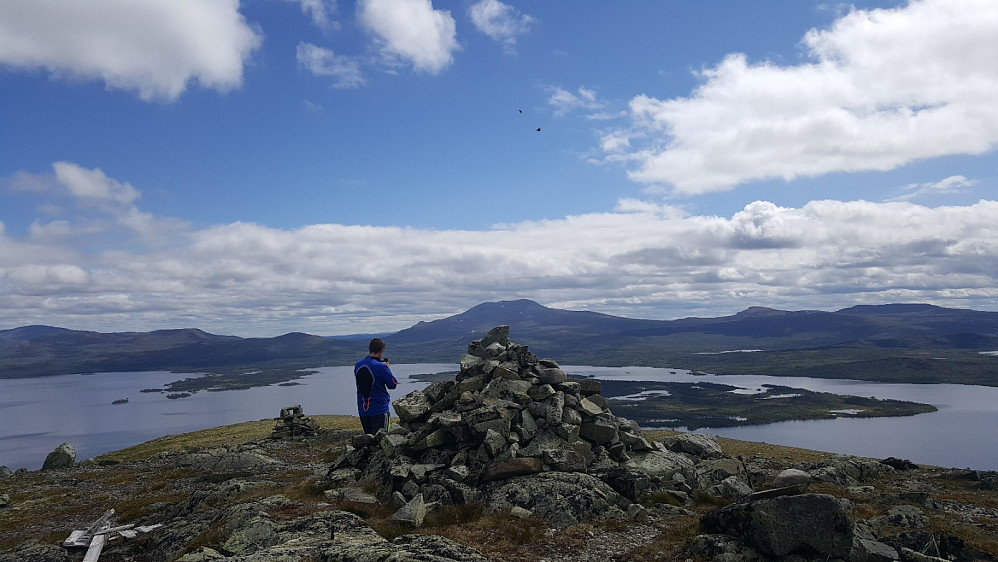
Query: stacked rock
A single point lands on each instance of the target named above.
(506, 414)
(294, 423)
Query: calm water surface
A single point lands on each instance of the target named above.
(38, 414)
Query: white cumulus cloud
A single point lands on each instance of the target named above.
(156, 48)
(882, 88)
(411, 30)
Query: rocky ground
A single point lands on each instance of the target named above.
(228, 493)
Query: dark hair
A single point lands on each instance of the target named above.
(377, 345)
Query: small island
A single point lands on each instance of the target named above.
(705, 404)
(238, 380)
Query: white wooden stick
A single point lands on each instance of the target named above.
(96, 546)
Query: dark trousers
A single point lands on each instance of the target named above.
(372, 424)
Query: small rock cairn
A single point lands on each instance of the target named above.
(294, 423)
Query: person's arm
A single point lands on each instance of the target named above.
(388, 378)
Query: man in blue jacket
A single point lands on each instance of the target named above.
(374, 378)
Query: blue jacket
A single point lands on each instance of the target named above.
(374, 380)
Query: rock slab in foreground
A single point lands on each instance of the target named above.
(816, 523)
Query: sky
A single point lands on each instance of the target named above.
(259, 167)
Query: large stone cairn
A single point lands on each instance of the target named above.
(508, 414)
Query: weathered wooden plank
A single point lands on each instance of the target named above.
(96, 546)
(76, 538)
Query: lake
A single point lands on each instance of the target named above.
(37, 414)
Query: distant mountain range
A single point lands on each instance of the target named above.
(910, 342)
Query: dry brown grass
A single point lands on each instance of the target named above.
(496, 535)
(670, 543)
(226, 435)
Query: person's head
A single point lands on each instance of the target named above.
(376, 347)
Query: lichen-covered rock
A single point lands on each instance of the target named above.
(35, 552)
(256, 534)
(412, 406)
(561, 499)
(848, 470)
(661, 464)
(437, 546)
(228, 460)
(696, 444)
(712, 472)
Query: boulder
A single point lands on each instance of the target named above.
(498, 335)
(904, 516)
(697, 444)
(561, 499)
(353, 494)
(62, 457)
(551, 375)
(847, 470)
(799, 479)
(712, 472)
(808, 524)
(232, 460)
(514, 467)
(599, 431)
(660, 464)
(434, 547)
(411, 513)
(412, 406)
(870, 550)
(628, 483)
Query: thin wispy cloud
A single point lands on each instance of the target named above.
(952, 184)
(501, 22)
(345, 71)
(563, 101)
(321, 12)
